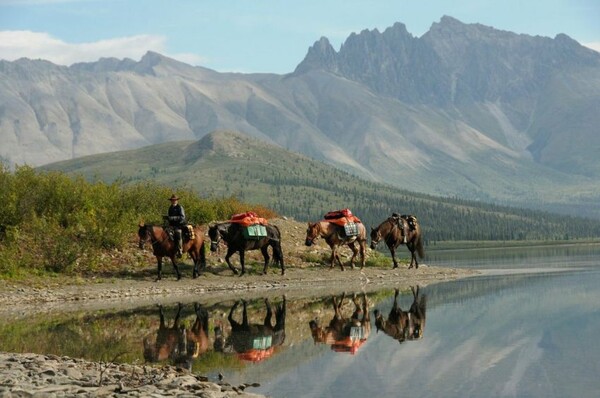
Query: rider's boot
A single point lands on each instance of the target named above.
(179, 246)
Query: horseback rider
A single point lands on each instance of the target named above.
(405, 223)
(176, 219)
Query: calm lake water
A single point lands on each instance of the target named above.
(529, 327)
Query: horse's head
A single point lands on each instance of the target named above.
(312, 233)
(214, 234)
(319, 335)
(375, 237)
(143, 234)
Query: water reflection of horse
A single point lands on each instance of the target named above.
(335, 236)
(164, 246)
(404, 325)
(232, 234)
(344, 334)
(390, 232)
(178, 344)
(253, 341)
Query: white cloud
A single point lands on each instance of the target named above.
(594, 46)
(35, 45)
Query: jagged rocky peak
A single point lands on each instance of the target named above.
(321, 55)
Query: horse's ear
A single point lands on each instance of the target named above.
(371, 228)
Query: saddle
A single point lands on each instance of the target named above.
(409, 218)
(187, 232)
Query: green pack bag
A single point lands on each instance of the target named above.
(256, 231)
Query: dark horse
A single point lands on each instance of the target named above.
(232, 234)
(164, 246)
(335, 236)
(390, 232)
(404, 325)
(253, 341)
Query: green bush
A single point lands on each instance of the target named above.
(53, 223)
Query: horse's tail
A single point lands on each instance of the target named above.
(420, 248)
(276, 245)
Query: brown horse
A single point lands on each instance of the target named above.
(404, 325)
(233, 235)
(393, 235)
(253, 341)
(164, 246)
(344, 334)
(335, 236)
(177, 343)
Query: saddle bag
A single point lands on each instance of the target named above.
(255, 231)
(351, 229)
(191, 235)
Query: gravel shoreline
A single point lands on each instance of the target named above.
(33, 375)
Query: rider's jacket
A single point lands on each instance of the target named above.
(176, 216)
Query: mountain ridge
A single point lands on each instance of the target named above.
(489, 115)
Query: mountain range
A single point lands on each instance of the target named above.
(464, 111)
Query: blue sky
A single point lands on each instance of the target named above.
(256, 35)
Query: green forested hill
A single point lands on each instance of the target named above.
(225, 164)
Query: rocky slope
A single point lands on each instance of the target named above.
(464, 110)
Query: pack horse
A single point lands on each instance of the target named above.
(247, 231)
(397, 230)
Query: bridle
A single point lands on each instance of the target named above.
(214, 243)
(148, 235)
(311, 240)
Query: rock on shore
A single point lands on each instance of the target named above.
(33, 375)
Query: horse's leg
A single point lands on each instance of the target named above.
(267, 321)
(162, 317)
(393, 252)
(232, 321)
(242, 253)
(277, 249)
(176, 322)
(265, 253)
(245, 314)
(413, 258)
(332, 258)
(414, 255)
(230, 252)
(363, 253)
(159, 265)
(337, 257)
(352, 246)
(176, 267)
(195, 258)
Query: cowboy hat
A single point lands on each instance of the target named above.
(173, 197)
